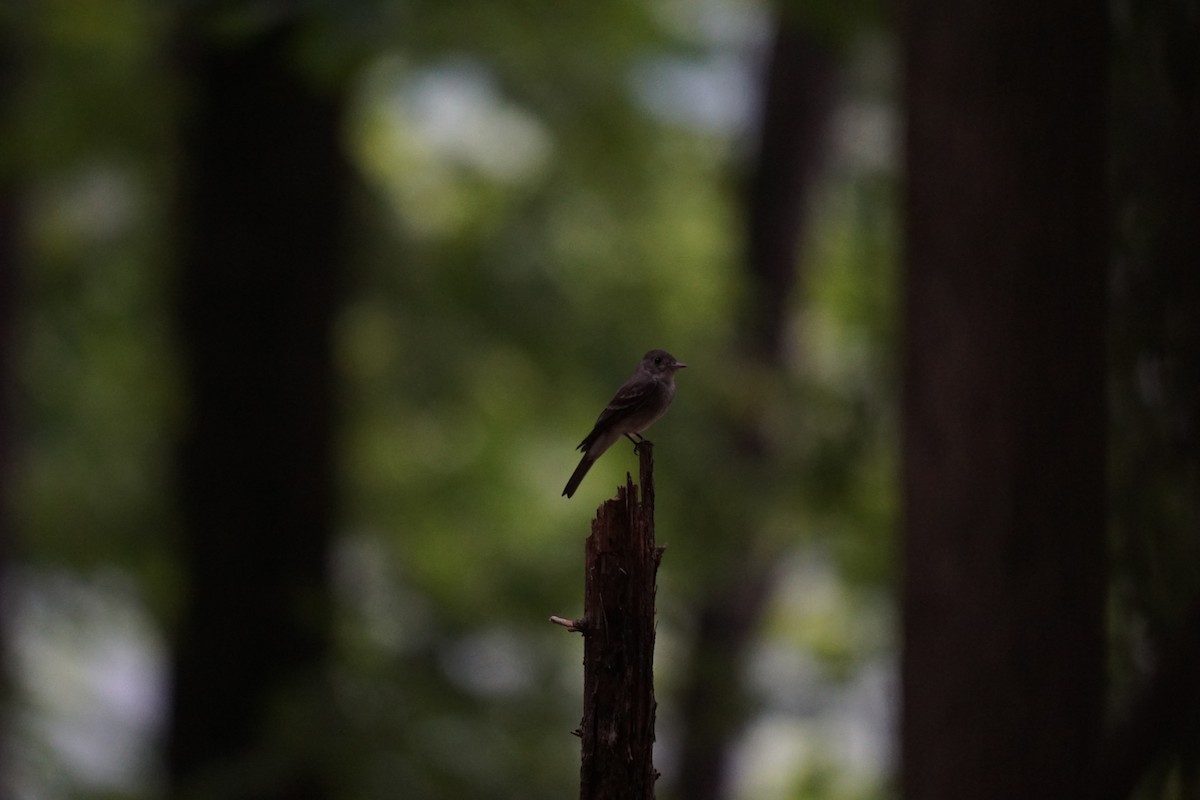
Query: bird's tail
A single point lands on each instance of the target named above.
(584, 465)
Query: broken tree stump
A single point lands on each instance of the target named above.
(617, 731)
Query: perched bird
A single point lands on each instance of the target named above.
(643, 399)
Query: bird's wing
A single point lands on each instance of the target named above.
(628, 399)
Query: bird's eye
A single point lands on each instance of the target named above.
(658, 360)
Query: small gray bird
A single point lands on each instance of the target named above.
(643, 399)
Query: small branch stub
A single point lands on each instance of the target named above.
(572, 625)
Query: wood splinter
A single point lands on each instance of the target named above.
(572, 625)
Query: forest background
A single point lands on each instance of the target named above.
(304, 305)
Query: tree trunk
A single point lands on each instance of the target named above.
(261, 202)
(617, 731)
(1003, 406)
(798, 91)
(12, 253)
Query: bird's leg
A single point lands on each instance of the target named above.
(638, 442)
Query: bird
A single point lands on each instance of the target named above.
(636, 405)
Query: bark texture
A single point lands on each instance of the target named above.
(618, 663)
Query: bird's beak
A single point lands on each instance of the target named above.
(679, 365)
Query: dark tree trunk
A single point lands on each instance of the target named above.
(261, 205)
(797, 104)
(10, 270)
(617, 732)
(12, 241)
(1003, 407)
(798, 91)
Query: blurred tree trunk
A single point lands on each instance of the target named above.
(9, 277)
(10, 270)
(11, 256)
(261, 195)
(797, 105)
(1003, 407)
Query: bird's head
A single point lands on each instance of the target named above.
(660, 362)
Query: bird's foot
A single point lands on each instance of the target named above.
(638, 442)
